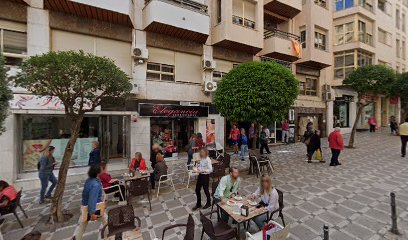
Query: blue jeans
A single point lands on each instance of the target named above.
(244, 150)
(190, 156)
(45, 178)
(260, 221)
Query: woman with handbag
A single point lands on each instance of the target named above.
(307, 136)
(315, 146)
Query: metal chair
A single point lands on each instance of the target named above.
(214, 186)
(114, 192)
(280, 209)
(189, 235)
(120, 219)
(218, 231)
(227, 161)
(12, 208)
(262, 162)
(189, 169)
(137, 188)
(218, 171)
(167, 178)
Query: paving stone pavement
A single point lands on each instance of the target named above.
(353, 199)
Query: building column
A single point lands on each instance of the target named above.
(8, 149)
(38, 31)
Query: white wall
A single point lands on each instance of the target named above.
(140, 138)
(8, 150)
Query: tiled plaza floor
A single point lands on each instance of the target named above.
(353, 199)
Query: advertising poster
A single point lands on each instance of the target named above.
(210, 131)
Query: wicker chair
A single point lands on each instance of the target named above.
(280, 209)
(12, 208)
(189, 235)
(120, 219)
(137, 188)
(219, 231)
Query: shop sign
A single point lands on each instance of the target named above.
(35, 102)
(344, 98)
(167, 110)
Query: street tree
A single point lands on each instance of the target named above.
(400, 89)
(369, 82)
(257, 92)
(5, 93)
(80, 81)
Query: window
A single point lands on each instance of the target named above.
(13, 45)
(384, 6)
(244, 13)
(320, 41)
(309, 87)
(303, 39)
(366, 4)
(384, 37)
(157, 71)
(343, 64)
(218, 76)
(381, 5)
(403, 49)
(364, 59)
(397, 19)
(344, 33)
(321, 3)
(341, 112)
(363, 36)
(398, 47)
(403, 24)
(218, 11)
(344, 4)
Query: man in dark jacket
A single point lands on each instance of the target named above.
(264, 141)
(95, 155)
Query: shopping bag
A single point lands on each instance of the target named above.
(319, 155)
(100, 208)
(266, 231)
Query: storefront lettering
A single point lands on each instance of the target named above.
(167, 110)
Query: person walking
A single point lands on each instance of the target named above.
(393, 125)
(234, 136)
(285, 131)
(372, 121)
(307, 136)
(244, 145)
(92, 194)
(203, 181)
(45, 166)
(336, 145)
(251, 135)
(269, 197)
(264, 141)
(403, 131)
(190, 148)
(95, 154)
(199, 142)
(315, 146)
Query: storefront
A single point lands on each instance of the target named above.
(303, 116)
(341, 111)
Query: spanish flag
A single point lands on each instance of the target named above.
(297, 48)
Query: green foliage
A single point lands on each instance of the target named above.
(77, 78)
(5, 93)
(260, 92)
(400, 86)
(371, 79)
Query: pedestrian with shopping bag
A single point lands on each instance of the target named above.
(315, 147)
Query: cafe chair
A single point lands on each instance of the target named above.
(12, 208)
(227, 161)
(218, 171)
(214, 186)
(218, 231)
(189, 169)
(139, 187)
(167, 178)
(262, 163)
(189, 235)
(120, 219)
(107, 195)
(280, 209)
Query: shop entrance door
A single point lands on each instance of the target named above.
(115, 137)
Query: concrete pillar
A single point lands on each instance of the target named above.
(8, 143)
(140, 138)
(38, 31)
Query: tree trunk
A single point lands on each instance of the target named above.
(56, 206)
(360, 108)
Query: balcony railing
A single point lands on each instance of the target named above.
(188, 4)
(367, 6)
(286, 64)
(243, 22)
(280, 34)
(366, 38)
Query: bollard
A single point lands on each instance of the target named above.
(394, 227)
(325, 232)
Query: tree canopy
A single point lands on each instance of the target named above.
(260, 92)
(371, 79)
(78, 79)
(400, 89)
(5, 93)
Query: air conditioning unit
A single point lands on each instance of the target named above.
(210, 86)
(189, 103)
(209, 64)
(140, 53)
(327, 96)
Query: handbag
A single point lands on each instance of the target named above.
(266, 234)
(100, 208)
(319, 155)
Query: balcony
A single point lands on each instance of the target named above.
(281, 45)
(185, 19)
(120, 12)
(286, 8)
(365, 9)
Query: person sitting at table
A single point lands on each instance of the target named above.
(227, 188)
(159, 169)
(269, 198)
(204, 169)
(110, 184)
(7, 194)
(138, 162)
(156, 149)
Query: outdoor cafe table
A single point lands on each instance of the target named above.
(134, 234)
(137, 175)
(253, 211)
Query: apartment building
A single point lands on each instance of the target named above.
(174, 52)
(366, 32)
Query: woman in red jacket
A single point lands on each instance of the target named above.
(336, 145)
(138, 162)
